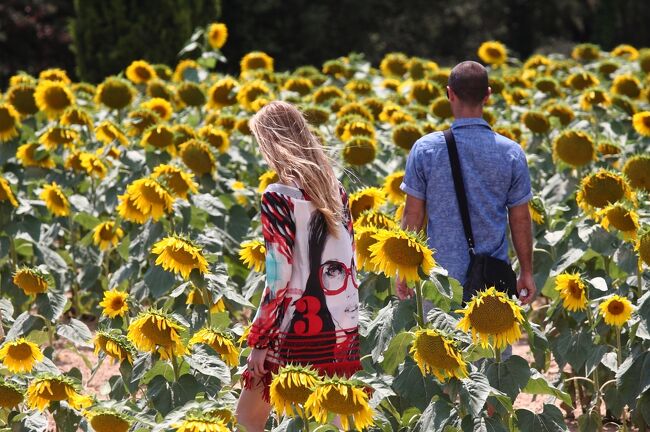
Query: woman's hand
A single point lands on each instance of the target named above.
(255, 362)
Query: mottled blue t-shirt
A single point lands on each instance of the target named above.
(495, 174)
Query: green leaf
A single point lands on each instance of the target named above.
(474, 392)
(509, 376)
(590, 422)
(86, 220)
(207, 362)
(414, 388)
(538, 385)
(633, 377)
(380, 384)
(396, 351)
(51, 304)
(76, 332)
(549, 420)
(437, 415)
(208, 203)
(23, 325)
(158, 281)
(483, 424)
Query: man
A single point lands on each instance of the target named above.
(497, 184)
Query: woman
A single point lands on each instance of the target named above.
(309, 308)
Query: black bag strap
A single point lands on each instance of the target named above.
(461, 196)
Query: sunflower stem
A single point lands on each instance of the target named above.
(619, 353)
(418, 304)
(207, 300)
(639, 281)
(305, 418)
(175, 367)
(497, 355)
(74, 286)
(13, 253)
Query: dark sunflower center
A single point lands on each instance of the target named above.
(161, 138)
(401, 252)
(7, 122)
(117, 303)
(600, 192)
(434, 353)
(57, 391)
(152, 195)
(115, 95)
(9, 397)
(56, 98)
(337, 403)
(23, 100)
(492, 316)
(56, 199)
(621, 219)
(20, 352)
(143, 73)
(615, 307)
(363, 203)
(575, 290)
(182, 256)
(294, 394)
(158, 336)
(109, 423)
(106, 233)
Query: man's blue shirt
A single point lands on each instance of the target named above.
(495, 174)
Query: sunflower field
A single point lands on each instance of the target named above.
(130, 234)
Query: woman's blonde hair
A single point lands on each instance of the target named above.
(295, 153)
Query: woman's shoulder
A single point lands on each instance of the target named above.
(283, 189)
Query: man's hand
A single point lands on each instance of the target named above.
(526, 288)
(255, 362)
(402, 290)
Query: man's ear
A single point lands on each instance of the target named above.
(487, 95)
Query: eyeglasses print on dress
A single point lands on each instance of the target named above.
(333, 276)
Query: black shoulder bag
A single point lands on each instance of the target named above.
(484, 271)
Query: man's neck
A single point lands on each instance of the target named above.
(469, 113)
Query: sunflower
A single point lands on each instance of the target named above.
(637, 170)
(572, 291)
(358, 128)
(142, 119)
(548, 86)
(256, 60)
(607, 68)
(356, 109)
(316, 115)
(56, 136)
(608, 148)
(10, 395)
(31, 280)
(644, 61)
(370, 198)
(406, 134)
(179, 182)
(252, 91)
(616, 310)
(55, 200)
(106, 234)
(159, 136)
(441, 108)
(394, 64)
(53, 97)
(620, 217)
(92, 164)
(200, 422)
(517, 96)
(586, 52)
(160, 106)
(108, 420)
(336, 68)
(493, 52)
(76, 116)
(291, 386)
(391, 187)
(184, 70)
(220, 342)
(195, 297)
(115, 345)
(197, 156)
(107, 132)
(403, 253)
(46, 388)
(140, 72)
(84, 90)
(434, 353)
(54, 74)
(641, 123)
(115, 93)
(150, 197)
(624, 104)
(625, 51)
(424, 91)
(129, 211)
(9, 122)
(217, 138)
(602, 188)
(20, 355)
(626, 85)
(6, 194)
(159, 89)
(182, 134)
(582, 80)
(344, 398)
(375, 219)
(562, 112)
(573, 147)
(222, 93)
(492, 314)
(21, 97)
(266, 179)
(594, 97)
(325, 94)
(217, 35)
(359, 150)
(536, 121)
(365, 237)
(191, 94)
(642, 246)
(156, 331)
(115, 303)
(21, 78)
(179, 255)
(253, 254)
(302, 86)
(537, 210)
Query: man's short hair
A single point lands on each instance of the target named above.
(469, 80)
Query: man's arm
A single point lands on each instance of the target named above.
(412, 220)
(522, 237)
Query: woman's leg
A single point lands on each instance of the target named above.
(252, 410)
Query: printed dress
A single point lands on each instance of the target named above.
(309, 309)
